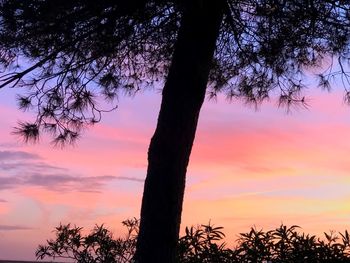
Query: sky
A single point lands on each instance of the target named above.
(248, 168)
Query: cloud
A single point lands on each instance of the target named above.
(9, 145)
(7, 166)
(67, 182)
(8, 182)
(22, 169)
(10, 166)
(61, 182)
(47, 166)
(14, 227)
(3, 201)
(17, 155)
(127, 178)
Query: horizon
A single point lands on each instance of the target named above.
(247, 168)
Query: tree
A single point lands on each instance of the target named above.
(74, 52)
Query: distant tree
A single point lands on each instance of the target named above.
(69, 53)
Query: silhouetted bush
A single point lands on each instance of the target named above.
(203, 243)
(97, 247)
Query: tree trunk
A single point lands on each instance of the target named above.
(171, 144)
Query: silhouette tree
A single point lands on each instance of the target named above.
(68, 54)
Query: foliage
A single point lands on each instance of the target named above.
(71, 53)
(201, 244)
(285, 244)
(97, 247)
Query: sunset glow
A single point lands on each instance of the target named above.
(247, 168)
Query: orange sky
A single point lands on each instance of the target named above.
(247, 168)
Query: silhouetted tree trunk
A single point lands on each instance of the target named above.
(171, 144)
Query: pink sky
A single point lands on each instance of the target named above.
(247, 168)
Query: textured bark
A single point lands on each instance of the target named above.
(171, 144)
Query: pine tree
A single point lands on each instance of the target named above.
(72, 53)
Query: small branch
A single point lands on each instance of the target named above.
(18, 76)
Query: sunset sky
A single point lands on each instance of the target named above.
(247, 168)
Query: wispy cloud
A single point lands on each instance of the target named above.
(14, 227)
(57, 182)
(3, 201)
(8, 182)
(17, 155)
(9, 145)
(127, 178)
(29, 165)
(67, 182)
(27, 169)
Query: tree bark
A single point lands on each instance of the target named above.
(171, 144)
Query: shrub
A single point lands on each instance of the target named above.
(97, 247)
(201, 244)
